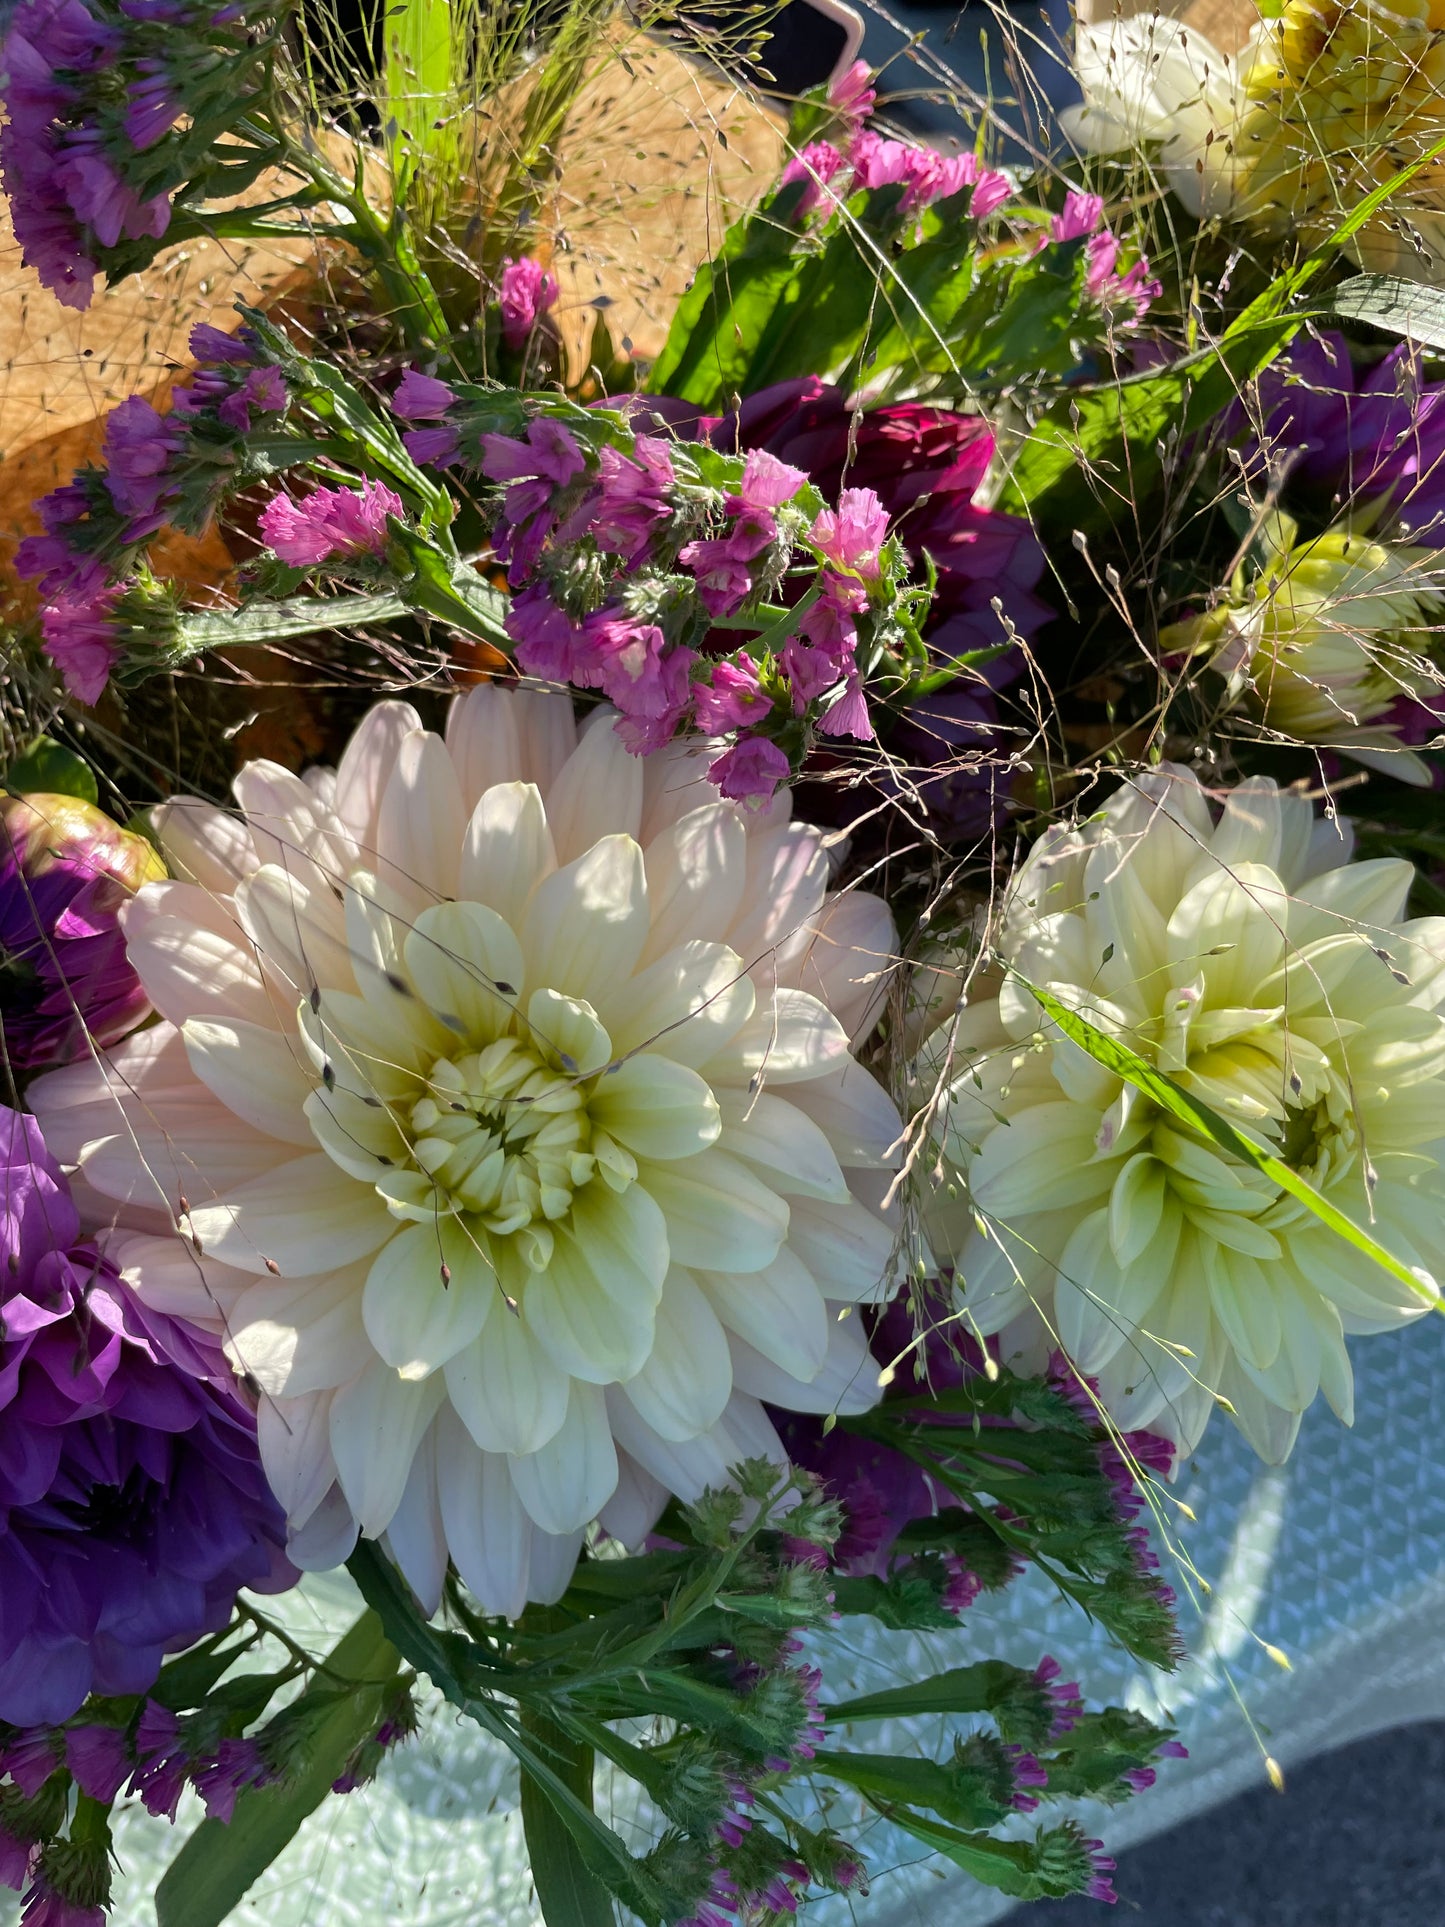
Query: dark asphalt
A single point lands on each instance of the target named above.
(1357, 1840)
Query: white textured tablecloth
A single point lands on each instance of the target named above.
(1338, 1559)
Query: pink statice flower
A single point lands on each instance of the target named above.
(750, 771)
(1130, 293)
(767, 483)
(853, 94)
(733, 698)
(633, 497)
(926, 175)
(817, 164)
(525, 295)
(79, 636)
(848, 716)
(1082, 214)
(534, 467)
(852, 537)
(330, 523)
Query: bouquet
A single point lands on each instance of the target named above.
(838, 947)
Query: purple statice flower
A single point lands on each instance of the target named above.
(751, 771)
(131, 1490)
(1100, 1885)
(1131, 293)
(534, 467)
(30, 1758)
(162, 1763)
(264, 390)
(98, 1760)
(140, 444)
(1065, 1700)
(719, 1907)
(17, 1859)
(525, 295)
(732, 698)
(433, 447)
(220, 1780)
(79, 635)
(330, 523)
(214, 347)
(52, 559)
(817, 164)
(632, 498)
(153, 104)
(1028, 1777)
(47, 1906)
(66, 986)
(421, 398)
(962, 1587)
(1349, 438)
(649, 683)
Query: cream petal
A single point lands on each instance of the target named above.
(328, 1538)
(416, 1538)
(597, 792)
(377, 1423)
(584, 1331)
(296, 921)
(484, 740)
(846, 1247)
(857, 1115)
(1045, 1152)
(361, 1138)
(466, 965)
(554, 1560)
(686, 1381)
(366, 766)
(287, 819)
(675, 782)
(421, 821)
(635, 1507)
(779, 1311)
(566, 1482)
(428, 1295)
(199, 962)
(845, 1382)
(687, 1006)
(260, 1076)
(199, 1153)
(718, 1212)
(848, 959)
(1270, 1430)
(567, 1029)
(787, 877)
(789, 1038)
(656, 1108)
(299, 1335)
(1251, 825)
(585, 925)
(1231, 926)
(507, 850)
(548, 727)
(508, 1393)
(1241, 1290)
(1370, 895)
(684, 1466)
(303, 1218)
(166, 1276)
(787, 1144)
(623, 1236)
(203, 844)
(87, 1101)
(488, 1534)
(695, 872)
(294, 1436)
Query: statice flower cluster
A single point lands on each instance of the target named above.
(1126, 292)
(633, 561)
(155, 468)
(93, 148)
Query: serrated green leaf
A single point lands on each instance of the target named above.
(218, 1864)
(1189, 1110)
(48, 767)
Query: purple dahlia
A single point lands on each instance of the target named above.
(65, 872)
(132, 1503)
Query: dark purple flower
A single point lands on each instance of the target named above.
(65, 984)
(139, 446)
(433, 447)
(131, 1490)
(1349, 437)
(99, 1760)
(16, 1860)
(421, 398)
(213, 345)
(220, 1780)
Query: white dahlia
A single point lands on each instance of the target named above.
(504, 1117)
(1280, 984)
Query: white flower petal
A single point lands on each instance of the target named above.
(847, 959)
(416, 1537)
(506, 1390)
(428, 1294)
(484, 740)
(198, 961)
(789, 1037)
(582, 1329)
(687, 1006)
(377, 1423)
(657, 1108)
(636, 1506)
(420, 823)
(718, 1212)
(858, 1116)
(686, 1381)
(845, 1382)
(847, 1248)
(585, 926)
(597, 793)
(304, 1217)
(507, 850)
(299, 1335)
(695, 872)
(366, 768)
(294, 1436)
(779, 1311)
(566, 1482)
(467, 967)
(203, 844)
(785, 1142)
(259, 1075)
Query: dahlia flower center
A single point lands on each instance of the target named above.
(120, 1514)
(502, 1133)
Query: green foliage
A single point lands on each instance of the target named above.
(49, 768)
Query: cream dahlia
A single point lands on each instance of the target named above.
(1283, 986)
(505, 1111)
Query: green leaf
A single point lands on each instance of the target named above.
(568, 1892)
(1408, 308)
(962, 1689)
(218, 1864)
(263, 621)
(952, 1793)
(1189, 1110)
(49, 768)
(1005, 1864)
(417, 77)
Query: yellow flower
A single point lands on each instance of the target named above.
(1324, 642)
(1283, 986)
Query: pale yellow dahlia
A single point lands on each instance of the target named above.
(1323, 104)
(504, 1117)
(1326, 641)
(1282, 985)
